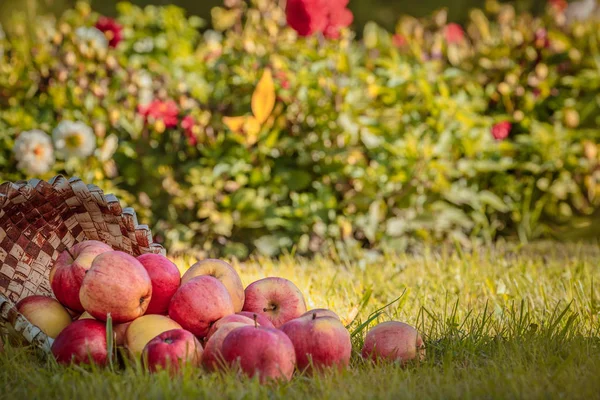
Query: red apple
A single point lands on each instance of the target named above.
(226, 320)
(222, 271)
(68, 272)
(171, 349)
(212, 358)
(146, 328)
(45, 313)
(276, 298)
(320, 312)
(119, 331)
(265, 352)
(260, 318)
(82, 342)
(319, 342)
(165, 279)
(199, 303)
(118, 284)
(394, 341)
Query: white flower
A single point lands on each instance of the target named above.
(33, 151)
(73, 139)
(92, 36)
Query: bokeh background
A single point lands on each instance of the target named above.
(384, 12)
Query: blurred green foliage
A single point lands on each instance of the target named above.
(372, 142)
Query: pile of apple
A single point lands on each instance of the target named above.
(203, 318)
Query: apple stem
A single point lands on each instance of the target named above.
(255, 321)
(314, 316)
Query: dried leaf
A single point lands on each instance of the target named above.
(263, 98)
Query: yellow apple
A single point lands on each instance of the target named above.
(46, 313)
(144, 329)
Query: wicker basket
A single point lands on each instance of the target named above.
(38, 220)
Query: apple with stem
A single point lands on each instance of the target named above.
(171, 350)
(116, 284)
(260, 318)
(320, 312)
(276, 298)
(319, 342)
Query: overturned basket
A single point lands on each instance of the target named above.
(38, 220)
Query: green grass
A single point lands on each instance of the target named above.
(498, 323)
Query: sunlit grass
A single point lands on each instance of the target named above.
(497, 322)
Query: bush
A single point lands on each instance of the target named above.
(430, 133)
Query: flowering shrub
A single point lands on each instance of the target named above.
(272, 132)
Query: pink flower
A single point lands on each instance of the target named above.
(501, 130)
(111, 29)
(157, 110)
(308, 17)
(190, 127)
(399, 40)
(454, 33)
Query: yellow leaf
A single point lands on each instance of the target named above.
(252, 129)
(236, 124)
(263, 98)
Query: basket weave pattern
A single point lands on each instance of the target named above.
(39, 219)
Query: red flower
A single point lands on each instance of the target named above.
(157, 110)
(188, 123)
(399, 40)
(501, 130)
(558, 5)
(454, 33)
(111, 29)
(339, 17)
(308, 17)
